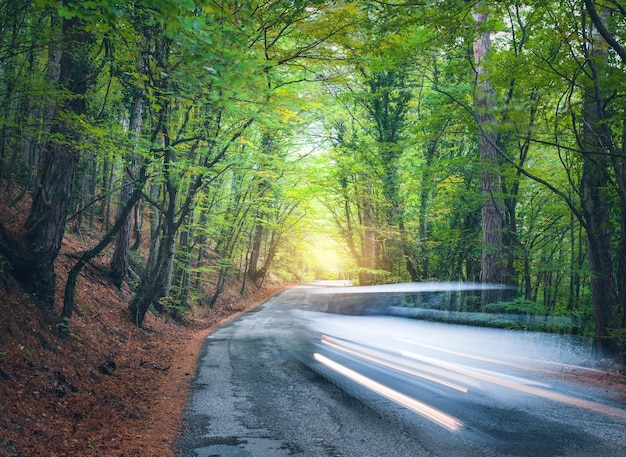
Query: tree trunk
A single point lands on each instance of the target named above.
(269, 258)
(70, 285)
(105, 188)
(156, 220)
(255, 251)
(155, 276)
(151, 285)
(45, 225)
(423, 272)
(182, 276)
(599, 242)
(620, 170)
(493, 257)
(595, 180)
(119, 261)
(369, 243)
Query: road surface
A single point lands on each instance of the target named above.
(288, 380)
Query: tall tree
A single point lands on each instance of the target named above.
(493, 269)
(387, 104)
(45, 225)
(120, 258)
(595, 180)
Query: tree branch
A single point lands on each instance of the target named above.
(597, 21)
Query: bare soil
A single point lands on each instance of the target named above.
(110, 389)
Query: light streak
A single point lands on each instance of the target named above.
(374, 356)
(462, 354)
(555, 396)
(501, 362)
(433, 414)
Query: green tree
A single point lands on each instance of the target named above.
(45, 225)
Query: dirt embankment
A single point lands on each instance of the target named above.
(110, 389)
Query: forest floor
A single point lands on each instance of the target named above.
(110, 389)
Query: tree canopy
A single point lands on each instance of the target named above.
(290, 140)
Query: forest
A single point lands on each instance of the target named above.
(281, 141)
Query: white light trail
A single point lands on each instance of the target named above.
(555, 396)
(501, 362)
(462, 354)
(375, 357)
(433, 414)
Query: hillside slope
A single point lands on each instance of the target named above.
(110, 389)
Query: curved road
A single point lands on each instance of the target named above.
(288, 380)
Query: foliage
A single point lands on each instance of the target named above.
(297, 140)
(519, 305)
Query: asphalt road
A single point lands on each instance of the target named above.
(286, 379)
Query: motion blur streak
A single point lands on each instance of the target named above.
(495, 379)
(423, 409)
(501, 362)
(375, 357)
(484, 359)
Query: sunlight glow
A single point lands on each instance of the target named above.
(325, 257)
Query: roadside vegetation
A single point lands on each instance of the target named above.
(187, 149)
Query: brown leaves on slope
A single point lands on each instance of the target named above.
(109, 390)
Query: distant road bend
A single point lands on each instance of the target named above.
(311, 373)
